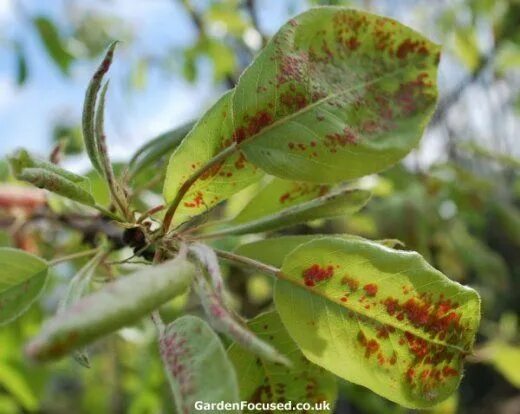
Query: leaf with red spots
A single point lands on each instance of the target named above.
(273, 250)
(333, 204)
(348, 94)
(278, 195)
(336, 94)
(263, 381)
(210, 135)
(378, 317)
(22, 278)
(117, 304)
(197, 365)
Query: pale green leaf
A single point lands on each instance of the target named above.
(334, 204)
(264, 381)
(22, 278)
(16, 384)
(116, 305)
(203, 142)
(273, 250)
(505, 358)
(277, 195)
(197, 366)
(56, 184)
(54, 45)
(378, 317)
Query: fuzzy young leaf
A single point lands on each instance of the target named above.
(272, 251)
(76, 289)
(196, 364)
(334, 204)
(336, 94)
(89, 110)
(378, 317)
(22, 159)
(55, 183)
(22, 277)
(221, 319)
(264, 381)
(118, 304)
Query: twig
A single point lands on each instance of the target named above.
(246, 261)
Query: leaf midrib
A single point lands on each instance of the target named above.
(346, 305)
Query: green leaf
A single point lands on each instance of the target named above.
(336, 94)
(21, 65)
(264, 381)
(334, 204)
(53, 43)
(89, 109)
(278, 195)
(76, 289)
(272, 251)
(381, 318)
(55, 183)
(196, 364)
(505, 358)
(23, 159)
(118, 304)
(158, 148)
(202, 143)
(22, 278)
(222, 320)
(16, 384)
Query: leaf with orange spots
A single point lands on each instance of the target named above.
(334, 204)
(336, 94)
(197, 365)
(22, 278)
(209, 136)
(264, 381)
(378, 317)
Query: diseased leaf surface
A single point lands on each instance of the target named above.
(196, 364)
(378, 317)
(209, 136)
(22, 277)
(334, 204)
(264, 381)
(336, 94)
(278, 195)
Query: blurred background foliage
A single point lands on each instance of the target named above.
(455, 199)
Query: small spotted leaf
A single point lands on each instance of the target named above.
(264, 381)
(197, 365)
(378, 317)
(22, 278)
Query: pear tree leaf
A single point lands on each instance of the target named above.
(53, 43)
(22, 278)
(272, 251)
(116, 305)
(336, 94)
(264, 381)
(331, 205)
(223, 320)
(197, 365)
(278, 195)
(378, 317)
